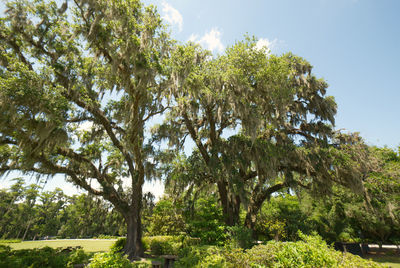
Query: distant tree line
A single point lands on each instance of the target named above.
(29, 213)
(371, 216)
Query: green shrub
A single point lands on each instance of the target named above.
(213, 261)
(4, 256)
(103, 236)
(43, 257)
(201, 256)
(311, 251)
(119, 245)
(162, 245)
(159, 245)
(141, 264)
(207, 221)
(110, 260)
(37, 258)
(188, 241)
(239, 237)
(78, 257)
(9, 241)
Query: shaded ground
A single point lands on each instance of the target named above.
(389, 260)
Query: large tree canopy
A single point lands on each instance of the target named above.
(261, 123)
(78, 83)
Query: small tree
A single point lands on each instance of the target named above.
(79, 83)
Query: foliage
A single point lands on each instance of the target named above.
(166, 218)
(206, 221)
(43, 257)
(141, 264)
(10, 241)
(78, 257)
(163, 245)
(200, 256)
(53, 214)
(311, 251)
(110, 260)
(370, 216)
(281, 218)
(103, 236)
(239, 237)
(80, 81)
(261, 123)
(119, 245)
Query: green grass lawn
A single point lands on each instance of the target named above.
(390, 261)
(89, 245)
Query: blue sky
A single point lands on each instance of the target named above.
(353, 44)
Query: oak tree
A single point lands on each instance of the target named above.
(79, 83)
(261, 123)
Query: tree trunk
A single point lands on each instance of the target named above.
(230, 204)
(133, 247)
(26, 231)
(251, 216)
(257, 201)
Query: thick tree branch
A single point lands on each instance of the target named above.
(193, 134)
(150, 115)
(213, 133)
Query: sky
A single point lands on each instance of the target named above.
(353, 44)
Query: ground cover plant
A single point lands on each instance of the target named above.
(311, 251)
(308, 251)
(42, 257)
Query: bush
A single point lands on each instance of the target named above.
(78, 257)
(240, 237)
(34, 258)
(103, 236)
(4, 256)
(207, 222)
(110, 260)
(201, 256)
(141, 264)
(43, 257)
(311, 251)
(119, 245)
(9, 241)
(162, 245)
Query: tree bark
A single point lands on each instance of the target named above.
(256, 203)
(133, 247)
(251, 215)
(230, 204)
(26, 231)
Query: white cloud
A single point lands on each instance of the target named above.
(264, 43)
(193, 37)
(70, 189)
(210, 40)
(85, 126)
(172, 15)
